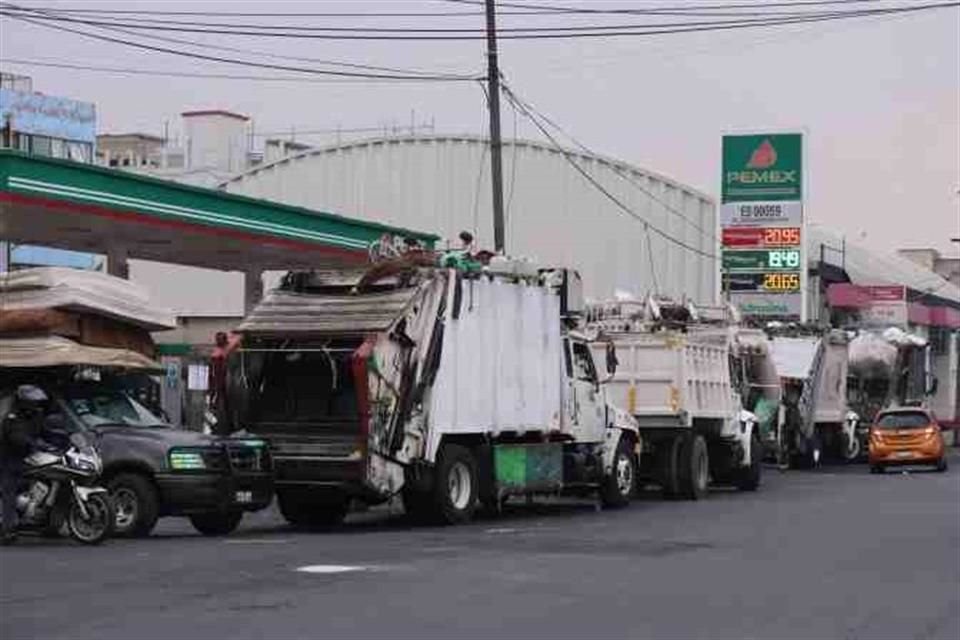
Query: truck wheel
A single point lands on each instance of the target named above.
(694, 468)
(456, 485)
(136, 504)
(302, 509)
(618, 487)
(670, 468)
(748, 478)
(216, 523)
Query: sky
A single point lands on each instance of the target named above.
(878, 99)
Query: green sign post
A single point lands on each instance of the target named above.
(764, 167)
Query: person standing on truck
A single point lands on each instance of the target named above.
(217, 382)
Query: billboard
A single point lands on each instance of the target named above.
(761, 220)
(42, 115)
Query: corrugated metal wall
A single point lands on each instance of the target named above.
(441, 184)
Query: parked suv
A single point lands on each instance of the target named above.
(907, 436)
(153, 469)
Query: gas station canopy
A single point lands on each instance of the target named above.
(82, 207)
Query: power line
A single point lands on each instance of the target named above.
(560, 10)
(522, 34)
(529, 10)
(595, 183)
(277, 56)
(619, 171)
(195, 26)
(130, 71)
(246, 63)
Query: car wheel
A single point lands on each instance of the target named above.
(942, 464)
(136, 504)
(216, 523)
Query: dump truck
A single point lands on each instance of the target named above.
(452, 387)
(812, 363)
(688, 376)
(888, 369)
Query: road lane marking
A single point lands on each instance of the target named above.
(330, 569)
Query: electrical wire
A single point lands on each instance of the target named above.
(278, 56)
(526, 10)
(525, 34)
(568, 155)
(193, 25)
(246, 63)
(129, 71)
(620, 172)
(560, 9)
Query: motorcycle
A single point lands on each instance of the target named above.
(60, 491)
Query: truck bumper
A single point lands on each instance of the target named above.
(197, 493)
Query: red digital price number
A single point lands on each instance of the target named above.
(781, 237)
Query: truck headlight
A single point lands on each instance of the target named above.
(186, 460)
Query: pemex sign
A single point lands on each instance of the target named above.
(761, 219)
(762, 167)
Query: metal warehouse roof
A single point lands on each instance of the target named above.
(868, 266)
(553, 214)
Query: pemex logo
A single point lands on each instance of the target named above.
(763, 157)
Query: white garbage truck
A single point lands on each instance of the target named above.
(452, 387)
(812, 363)
(688, 376)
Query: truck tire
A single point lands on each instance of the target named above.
(305, 510)
(748, 478)
(136, 504)
(216, 523)
(670, 468)
(618, 487)
(694, 468)
(456, 485)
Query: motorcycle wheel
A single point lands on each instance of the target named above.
(98, 526)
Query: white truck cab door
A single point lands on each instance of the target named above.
(585, 402)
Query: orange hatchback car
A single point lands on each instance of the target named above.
(907, 436)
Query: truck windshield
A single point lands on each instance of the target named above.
(98, 405)
(904, 420)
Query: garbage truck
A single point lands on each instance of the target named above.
(812, 363)
(452, 387)
(689, 376)
(888, 368)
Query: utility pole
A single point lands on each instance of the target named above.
(493, 97)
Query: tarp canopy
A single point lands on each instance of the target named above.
(55, 351)
(85, 291)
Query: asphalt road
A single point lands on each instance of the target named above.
(834, 553)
